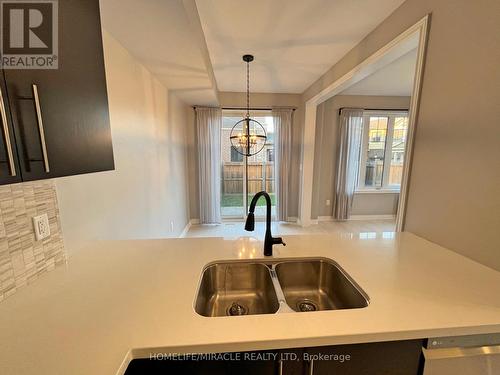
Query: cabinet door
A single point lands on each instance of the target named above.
(257, 362)
(381, 358)
(185, 367)
(244, 363)
(291, 362)
(72, 100)
(9, 166)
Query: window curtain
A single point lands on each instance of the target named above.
(282, 119)
(209, 124)
(351, 132)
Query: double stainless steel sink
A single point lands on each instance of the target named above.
(248, 287)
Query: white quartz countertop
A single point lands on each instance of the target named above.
(117, 300)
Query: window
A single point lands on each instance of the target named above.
(270, 155)
(236, 157)
(383, 150)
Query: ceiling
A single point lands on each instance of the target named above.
(394, 79)
(294, 41)
(161, 35)
(194, 47)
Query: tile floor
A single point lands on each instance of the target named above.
(363, 228)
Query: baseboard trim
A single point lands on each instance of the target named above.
(372, 217)
(322, 218)
(185, 230)
(326, 218)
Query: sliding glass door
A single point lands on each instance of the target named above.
(242, 177)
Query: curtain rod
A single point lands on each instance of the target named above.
(258, 109)
(254, 108)
(378, 109)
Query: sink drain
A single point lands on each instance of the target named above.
(306, 305)
(236, 309)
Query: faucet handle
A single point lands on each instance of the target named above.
(278, 240)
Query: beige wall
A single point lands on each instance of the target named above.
(325, 155)
(147, 195)
(375, 204)
(257, 100)
(454, 195)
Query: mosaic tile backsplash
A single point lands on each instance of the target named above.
(22, 258)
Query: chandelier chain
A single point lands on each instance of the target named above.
(243, 140)
(248, 89)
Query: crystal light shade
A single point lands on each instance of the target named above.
(248, 137)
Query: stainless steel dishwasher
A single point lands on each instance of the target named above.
(463, 355)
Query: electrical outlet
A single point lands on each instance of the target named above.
(41, 226)
(328, 202)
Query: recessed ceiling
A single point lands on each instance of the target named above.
(294, 41)
(158, 33)
(394, 79)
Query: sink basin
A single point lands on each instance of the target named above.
(310, 285)
(237, 288)
(269, 286)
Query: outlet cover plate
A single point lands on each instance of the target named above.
(41, 226)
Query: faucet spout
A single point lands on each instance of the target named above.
(269, 240)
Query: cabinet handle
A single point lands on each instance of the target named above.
(311, 367)
(10, 155)
(40, 127)
(280, 368)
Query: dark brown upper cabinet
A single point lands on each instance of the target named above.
(9, 163)
(58, 119)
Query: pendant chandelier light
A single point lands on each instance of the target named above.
(248, 136)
